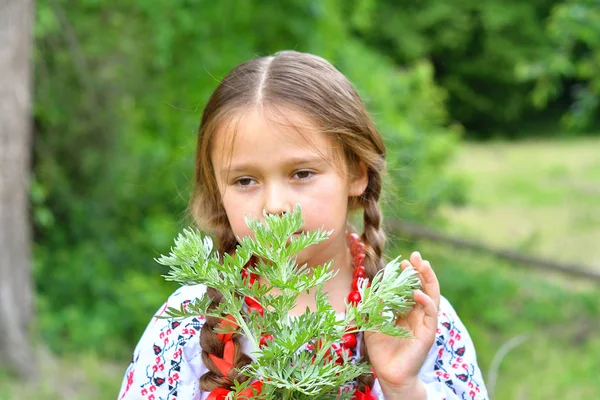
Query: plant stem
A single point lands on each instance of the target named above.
(246, 329)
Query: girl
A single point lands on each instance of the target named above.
(279, 131)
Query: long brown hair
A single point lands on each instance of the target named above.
(310, 84)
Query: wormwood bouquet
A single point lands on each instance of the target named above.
(295, 359)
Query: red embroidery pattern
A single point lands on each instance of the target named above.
(167, 348)
(450, 364)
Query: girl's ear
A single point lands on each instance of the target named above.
(359, 180)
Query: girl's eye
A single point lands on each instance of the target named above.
(244, 182)
(303, 175)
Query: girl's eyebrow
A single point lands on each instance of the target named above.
(293, 161)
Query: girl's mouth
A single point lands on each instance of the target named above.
(295, 235)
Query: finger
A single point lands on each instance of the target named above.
(429, 309)
(404, 264)
(431, 285)
(416, 259)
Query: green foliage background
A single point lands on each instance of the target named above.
(120, 85)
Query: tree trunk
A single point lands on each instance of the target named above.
(16, 289)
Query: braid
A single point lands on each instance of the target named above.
(373, 235)
(209, 341)
(374, 239)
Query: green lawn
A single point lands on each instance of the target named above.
(499, 301)
(539, 197)
(74, 377)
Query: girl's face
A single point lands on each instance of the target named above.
(262, 164)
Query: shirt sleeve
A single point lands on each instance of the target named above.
(166, 362)
(450, 370)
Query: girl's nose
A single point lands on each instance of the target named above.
(277, 200)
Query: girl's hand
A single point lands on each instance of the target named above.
(397, 361)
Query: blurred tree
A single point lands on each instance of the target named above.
(569, 66)
(16, 295)
(474, 47)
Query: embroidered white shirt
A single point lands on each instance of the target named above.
(167, 362)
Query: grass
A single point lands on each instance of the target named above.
(499, 301)
(74, 377)
(539, 197)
